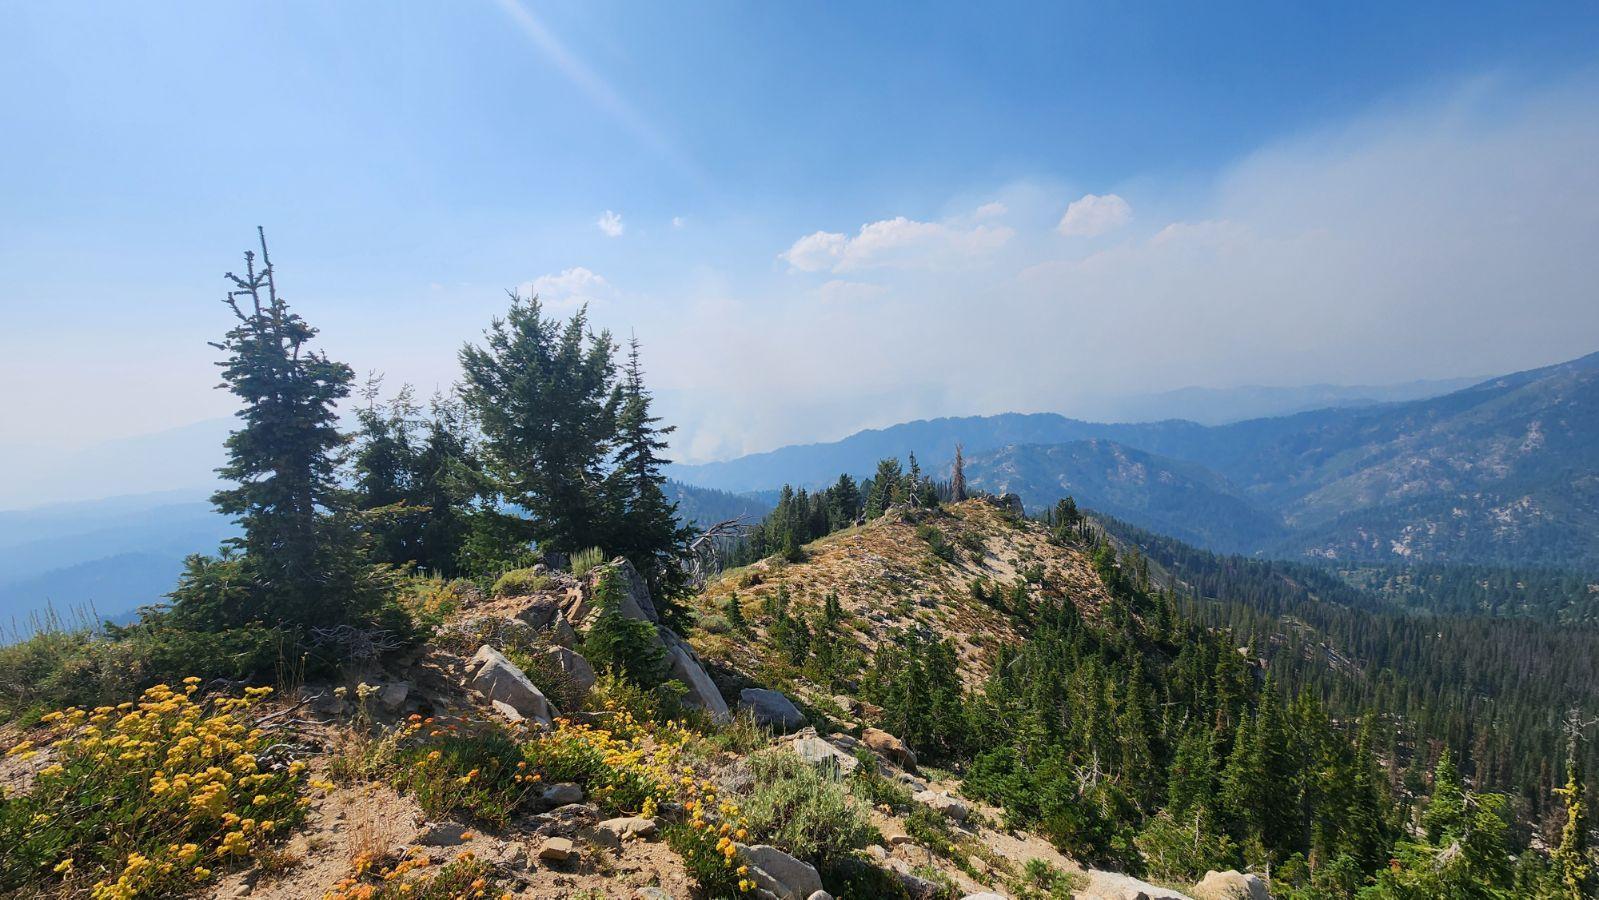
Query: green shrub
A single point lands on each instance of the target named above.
(583, 561)
(802, 811)
(930, 829)
(870, 785)
(480, 773)
(519, 582)
(936, 542)
(1179, 850)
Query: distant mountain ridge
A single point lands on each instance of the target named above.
(1505, 470)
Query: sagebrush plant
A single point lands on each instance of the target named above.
(147, 798)
(803, 811)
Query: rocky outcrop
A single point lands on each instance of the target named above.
(685, 667)
(634, 593)
(786, 877)
(890, 747)
(499, 679)
(772, 709)
(1230, 885)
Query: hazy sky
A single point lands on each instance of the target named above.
(816, 217)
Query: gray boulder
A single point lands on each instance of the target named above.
(685, 667)
(498, 679)
(1231, 885)
(635, 602)
(771, 709)
(540, 613)
(562, 794)
(1116, 886)
(820, 753)
(944, 803)
(890, 748)
(574, 666)
(786, 877)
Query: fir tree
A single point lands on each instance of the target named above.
(545, 398)
(644, 525)
(301, 559)
(1571, 856)
(957, 480)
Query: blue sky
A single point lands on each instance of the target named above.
(816, 217)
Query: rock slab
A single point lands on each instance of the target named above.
(786, 877)
(499, 679)
(1230, 885)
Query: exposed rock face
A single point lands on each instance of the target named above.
(574, 666)
(891, 747)
(685, 667)
(772, 709)
(1231, 885)
(786, 877)
(1116, 886)
(393, 694)
(944, 803)
(500, 680)
(818, 752)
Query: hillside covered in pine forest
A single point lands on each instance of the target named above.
(482, 647)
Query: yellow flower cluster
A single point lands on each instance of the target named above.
(645, 765)
(465, 878)
(180, 781)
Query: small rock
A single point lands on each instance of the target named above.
(393, 695)
(877, 852)
(651, 893)
(562, 633)
(820, 895)
(513, 856)
(983, 896)
(772, 709)
(555, 849)
(894, 840)
(631, 827)
(563, 794)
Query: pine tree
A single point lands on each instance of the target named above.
(734, 610)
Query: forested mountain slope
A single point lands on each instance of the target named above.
(1503, 471)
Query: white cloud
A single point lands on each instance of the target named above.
(572, 287)
(678, 221)
(1094, 214)
(610, 223)
(897, 243)
(990, 210)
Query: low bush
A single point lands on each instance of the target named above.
(519, 582)
(476, 772)
(803, 811)
(148, 798)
